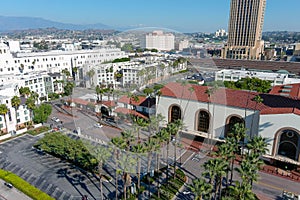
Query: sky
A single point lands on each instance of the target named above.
(179, 15)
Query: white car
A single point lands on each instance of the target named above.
(55, 119)
(98, 125)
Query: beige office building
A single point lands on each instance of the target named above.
(245, 30)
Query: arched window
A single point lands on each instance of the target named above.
(203, 121)
(231, 122)
(104, 111)
(175, 113)
(289, 144)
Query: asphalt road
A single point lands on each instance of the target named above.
(268, 185)
(7, 193)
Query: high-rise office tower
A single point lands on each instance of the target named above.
(245, 30)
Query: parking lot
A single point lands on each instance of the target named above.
(52, 175)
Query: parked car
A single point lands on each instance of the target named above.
(8, 185)
(55, 119)
(98, 125)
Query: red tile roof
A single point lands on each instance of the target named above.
(127, 100)
(280, 111)
(108, 103)
(81, 101)
(290, 90)
(223, 96)
(129, 111)
(272, 104)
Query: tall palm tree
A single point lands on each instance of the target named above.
(139, 149)
(216, 169)
(241, 191)
(248, 171)
(127, 164)
(164, 137)
(173, 129)
(15, 102)
(257, 99)
(161, 137)
(200, 188)
(258, 145)
(238, 134)
(34, 96)
(221, 169)
(98, 92)
(128, 137)
(226, 152)
(3, 112)
(30, 103)
(119, 144)
(209, 93)
(102, 154)
(91, 74)
(140, 123)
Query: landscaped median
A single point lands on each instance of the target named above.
(24, 186)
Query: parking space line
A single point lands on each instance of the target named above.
(188, 159)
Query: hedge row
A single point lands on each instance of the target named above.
(169, 191)
(38, 130)
(24, 186)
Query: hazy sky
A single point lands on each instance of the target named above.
(183, 15)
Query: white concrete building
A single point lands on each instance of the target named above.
(235, 75)
(277, 118)
(183, 44)
(134, 72)
(53, 61)
(13, 119)
(160, 41)
(221, 33)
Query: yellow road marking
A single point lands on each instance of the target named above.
(271, 186)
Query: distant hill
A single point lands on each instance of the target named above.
(23, 23)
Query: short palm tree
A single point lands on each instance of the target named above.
(3, 112)
(24, 91)
(200, 188)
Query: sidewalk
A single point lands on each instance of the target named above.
(7, 193)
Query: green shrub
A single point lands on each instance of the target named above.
(38, 130)
(23, 186)
(62, 146)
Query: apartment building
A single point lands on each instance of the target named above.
(159, 40)
(15, 118)
(53, 61)
(136, 72)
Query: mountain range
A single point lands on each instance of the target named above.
(23, 23)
